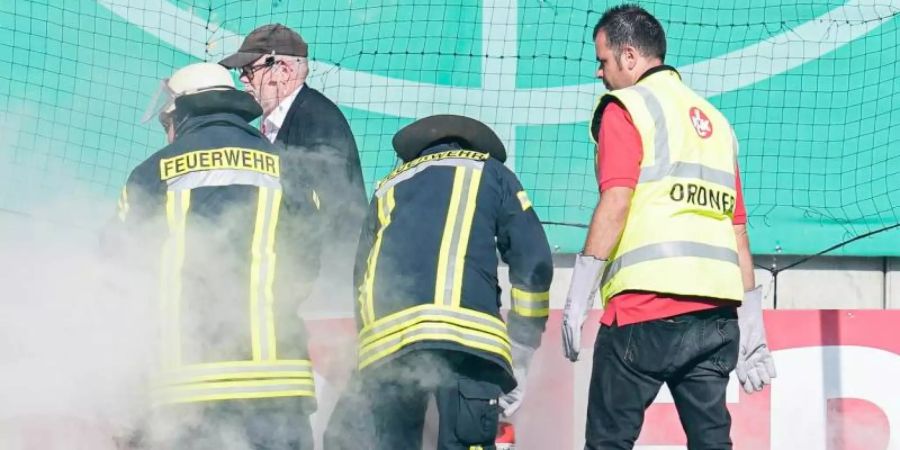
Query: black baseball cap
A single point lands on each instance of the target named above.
(272, 39)
(412, 139)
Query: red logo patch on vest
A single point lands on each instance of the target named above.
(701, 123)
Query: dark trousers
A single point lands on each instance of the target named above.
(692, 353)
(399, 391)
(263, 424)
(350, 424)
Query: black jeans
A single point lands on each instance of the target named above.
(398, 393)
(692, 353)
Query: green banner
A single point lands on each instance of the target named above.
(811, 89)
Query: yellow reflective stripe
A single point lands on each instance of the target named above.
(236, 370)
(262, 275)
(593, 128)
(518, 294)
(385, 205)
(270, 274)
(246, 364)
(440, 285)
(123, 204)
(525, 310)
(177, 205)
(228, 390)
(534, 313)
(463, 244)
(432, 313)
(524, 200)
(462, 156)
(461, 316)
(433, 331)
(530, 304)
(256, 260)
(180, 379)
(433, 322)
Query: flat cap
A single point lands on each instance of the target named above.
(272, 39)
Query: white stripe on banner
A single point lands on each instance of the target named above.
(528, 106)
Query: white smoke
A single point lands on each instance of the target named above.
(74, 332)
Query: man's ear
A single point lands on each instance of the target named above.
(629, 57)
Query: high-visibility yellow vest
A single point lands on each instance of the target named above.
(678, 237)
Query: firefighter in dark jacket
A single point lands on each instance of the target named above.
(218, 205)
(429, 303)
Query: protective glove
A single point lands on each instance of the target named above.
(755, 366)
(582, 291)
(521, 355)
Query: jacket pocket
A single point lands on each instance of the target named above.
(478, 413)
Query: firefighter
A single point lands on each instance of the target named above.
(429, 303)
(229, 221)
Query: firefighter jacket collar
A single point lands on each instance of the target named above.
(209, 103)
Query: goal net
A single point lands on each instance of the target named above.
(812, 89)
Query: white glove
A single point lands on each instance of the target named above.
(755, 366)
(582, 291)
(521, 355)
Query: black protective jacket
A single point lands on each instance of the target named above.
(426, 269)
(226, 221)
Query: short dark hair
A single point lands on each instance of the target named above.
(632, 25)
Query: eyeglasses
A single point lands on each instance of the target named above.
(249, 70)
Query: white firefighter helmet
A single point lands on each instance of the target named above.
(191, 79)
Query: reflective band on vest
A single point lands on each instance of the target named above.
(662, 166)
(688, 170)
(669, 250)
(679, 238)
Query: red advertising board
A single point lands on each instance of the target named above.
(837, 387)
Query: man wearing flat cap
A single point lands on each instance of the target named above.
(428, 309)
(273, 64)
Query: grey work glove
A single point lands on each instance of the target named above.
(582, 291)
(755, 366)
(521, 355)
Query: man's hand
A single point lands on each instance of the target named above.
(755, 367)
(522, 355)
(582, 291)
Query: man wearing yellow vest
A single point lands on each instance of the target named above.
(667, 247)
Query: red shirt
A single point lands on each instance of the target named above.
(618, 158)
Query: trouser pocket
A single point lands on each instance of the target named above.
(729, 336)
(478, 412)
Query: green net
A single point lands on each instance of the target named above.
(812, 89)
